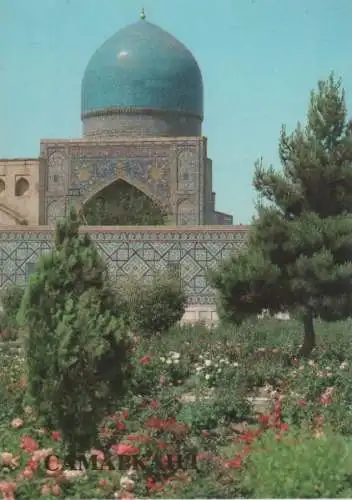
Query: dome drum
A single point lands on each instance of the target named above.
(141, 123)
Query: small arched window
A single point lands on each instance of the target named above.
(2, 186)
(22, 186)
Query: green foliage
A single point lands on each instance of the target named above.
(10, 300)
(153, 307)
(75, 348)
(299, 247)
(299, 466)
(12, 387)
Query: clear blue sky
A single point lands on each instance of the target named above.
(259, 58)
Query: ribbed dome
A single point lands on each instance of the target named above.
(142, 67)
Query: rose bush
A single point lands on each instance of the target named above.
(173, 410)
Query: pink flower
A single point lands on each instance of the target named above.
(27, 473)
(56, 436)
(145, 359)
(17, 423)
(302, 403)
(7, 489)
(28, 444)
(125, 449)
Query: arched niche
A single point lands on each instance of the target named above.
(2, 186)
(21, 186)
(121, 204)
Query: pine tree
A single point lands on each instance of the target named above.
(299, 253)
(76, 349)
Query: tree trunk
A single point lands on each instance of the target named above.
(309, 335)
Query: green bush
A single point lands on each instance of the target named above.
(299, 466)
(11, 298)
(75, 348)
(12, 383)
(153, 307)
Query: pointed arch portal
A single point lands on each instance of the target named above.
(121, 204)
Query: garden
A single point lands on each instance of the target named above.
(105, 395)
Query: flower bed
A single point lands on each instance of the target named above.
(176, 415)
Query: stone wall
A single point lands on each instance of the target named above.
(19, 191)
(134, 250)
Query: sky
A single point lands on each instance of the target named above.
(260, 60)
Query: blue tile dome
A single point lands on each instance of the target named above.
(142, 67)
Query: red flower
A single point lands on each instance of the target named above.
(56, 436)
(205, 433)
(249, 436)
(154, 423)
(155, 404)
(125, 449)
(124, 414)
(153, 486)
(284, 426)
(235, 463)
(120, 426)
(264, 420)
(28, 444)
(145, 359)
(32, 464)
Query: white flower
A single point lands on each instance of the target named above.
(199, 368)
(176, 361)
(311, 362)
(344, 365)
(127, 483)
(219, 370)
(168, 361)
(200, 356)
(235, 364)
(175, 355)
(222, 360)
(207, 362)
(207, 376)
(162, 359)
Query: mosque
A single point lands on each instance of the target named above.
(142, 112)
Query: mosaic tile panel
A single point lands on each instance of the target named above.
(131, 252)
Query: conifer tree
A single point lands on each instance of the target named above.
(76, 349)
(299, 253)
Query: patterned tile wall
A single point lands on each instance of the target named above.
(132, 250)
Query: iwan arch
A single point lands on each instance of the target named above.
(142, 113)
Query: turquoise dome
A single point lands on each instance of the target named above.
(142, 67)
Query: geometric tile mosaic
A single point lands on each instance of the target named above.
(136, 251)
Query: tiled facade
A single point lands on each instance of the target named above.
(172, 171)
(132, 250)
